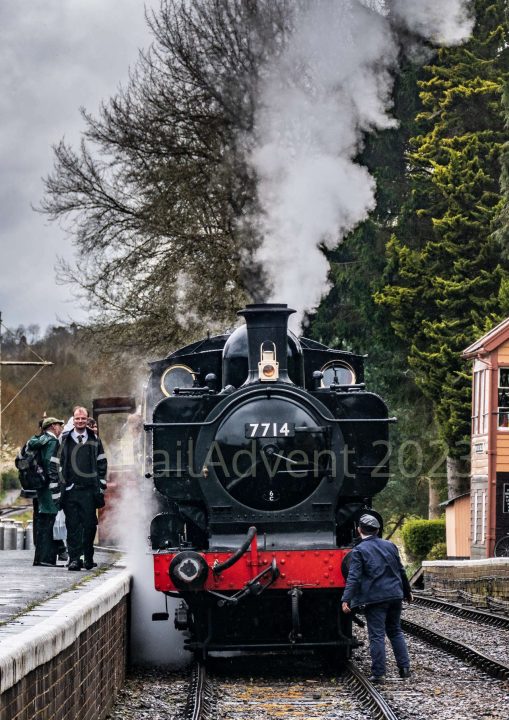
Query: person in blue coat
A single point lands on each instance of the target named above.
(377, 581)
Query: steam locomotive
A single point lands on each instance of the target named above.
(266, 449)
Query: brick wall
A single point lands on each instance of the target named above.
(79, 681)
(478, 577)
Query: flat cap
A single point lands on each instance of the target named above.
(51, 421)
(369, 521)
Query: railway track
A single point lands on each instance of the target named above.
(465, 651)
(215, 694)
(441, 687)
(13, 510)
(222, 693)
(480, 616)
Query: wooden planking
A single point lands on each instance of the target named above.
(503, 353)
(462, 530)
(502, 445)
(502, 452)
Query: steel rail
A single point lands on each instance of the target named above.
(368, 694)
(480, 616)
(200, 704)
(195, 697)
(13, 510)
(461, 650)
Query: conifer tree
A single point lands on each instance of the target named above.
(445, 272)
(348, 315)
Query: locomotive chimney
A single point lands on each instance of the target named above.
(267, 333)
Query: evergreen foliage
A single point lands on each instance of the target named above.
(502, 224)
(445, 280)
(348, 316)
(438, 552)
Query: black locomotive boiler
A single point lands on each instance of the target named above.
(265, 451)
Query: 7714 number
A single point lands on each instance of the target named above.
(270, 429)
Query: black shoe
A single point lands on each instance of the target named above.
(377, 679)
(90, 565)
(404, 672)
(74, 565)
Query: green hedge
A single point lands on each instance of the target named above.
(419, 536)
(438, 552)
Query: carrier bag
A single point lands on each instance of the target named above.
(59, 527)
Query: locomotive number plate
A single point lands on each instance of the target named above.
(270, 429)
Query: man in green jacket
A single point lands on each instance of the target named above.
(46, 445)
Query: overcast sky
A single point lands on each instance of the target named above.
(55, 56)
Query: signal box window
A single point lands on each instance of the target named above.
(503, 398)
(480, 404)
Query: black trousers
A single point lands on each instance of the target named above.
(45, 549)
(81, 523)
(35, 503)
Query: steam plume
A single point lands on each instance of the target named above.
(445, 23)
(130, 510)
(332, 83)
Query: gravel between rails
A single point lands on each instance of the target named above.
(273, 687)
(256, 688)
(299, 699)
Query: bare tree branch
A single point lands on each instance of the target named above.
(156, 195)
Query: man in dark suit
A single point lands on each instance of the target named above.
(82, 469)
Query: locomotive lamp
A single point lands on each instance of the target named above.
(188, 570)
(268, 367)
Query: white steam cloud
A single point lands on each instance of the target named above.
(130, 509)
(445, 22)
(332, 83)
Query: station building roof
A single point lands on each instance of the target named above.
(488, 342)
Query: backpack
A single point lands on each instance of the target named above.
(30, 472)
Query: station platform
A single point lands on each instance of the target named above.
(63, 637)
(22, 585)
